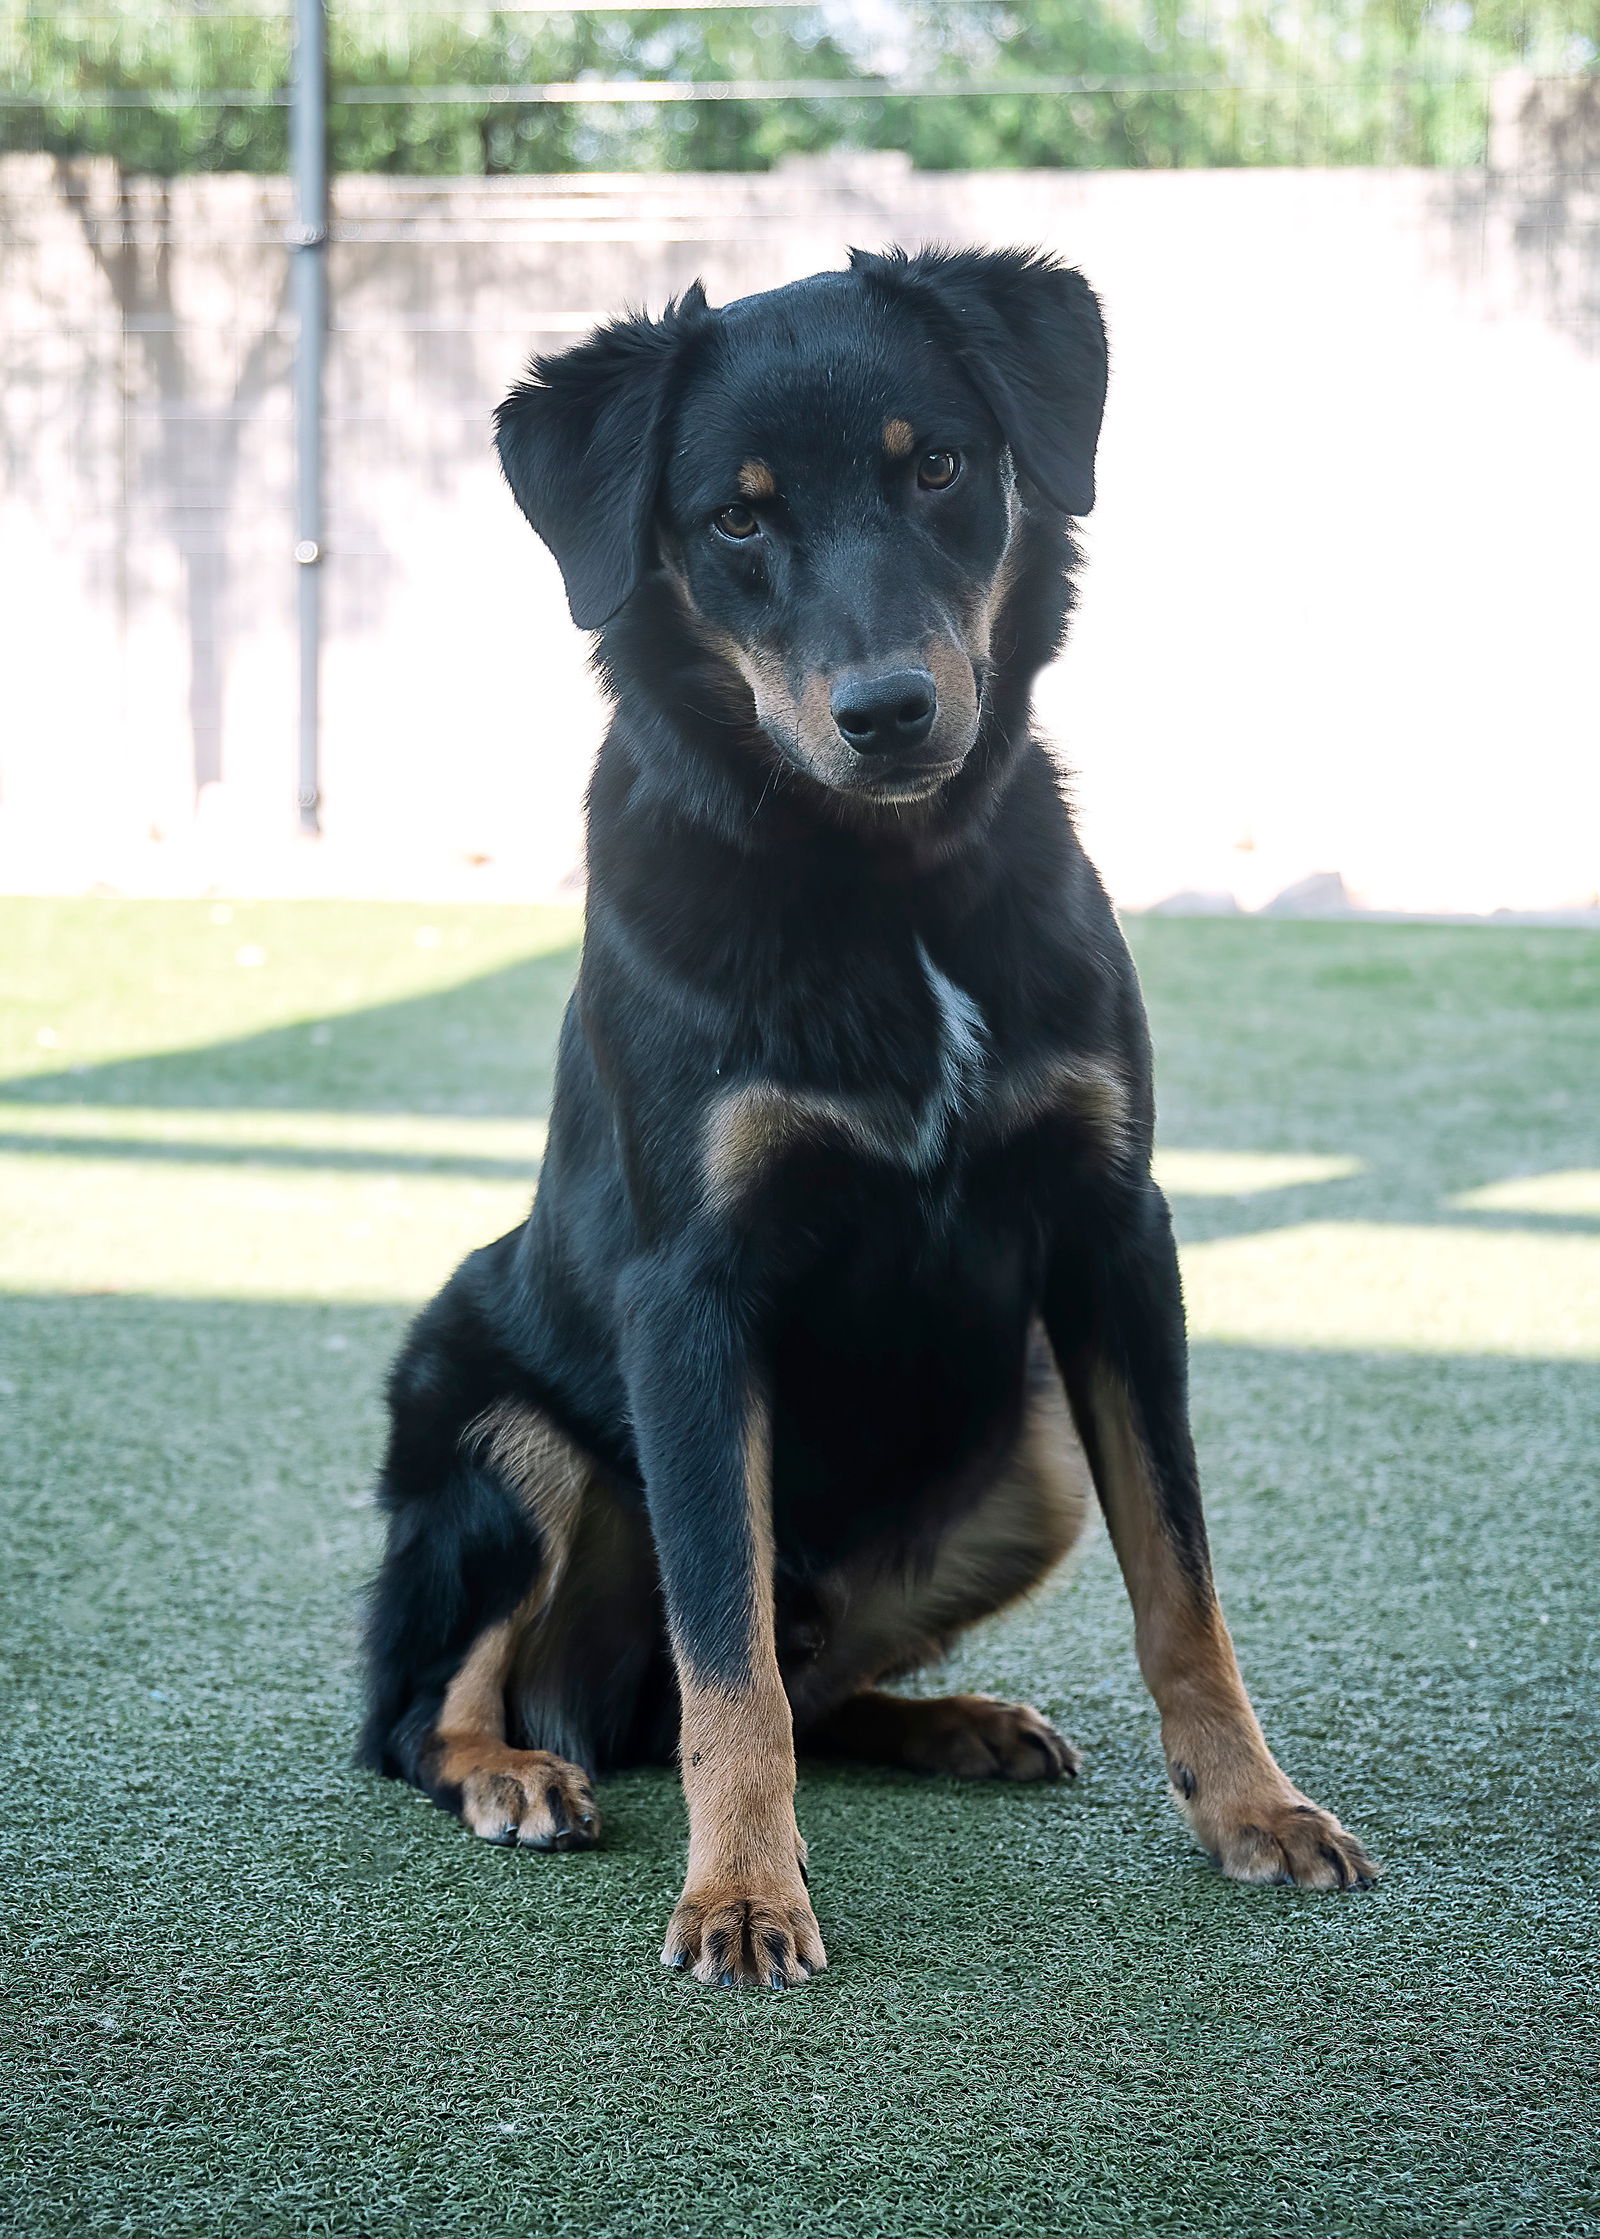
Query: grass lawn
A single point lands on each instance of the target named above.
(248, 1991)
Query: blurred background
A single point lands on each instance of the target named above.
(1337, 643)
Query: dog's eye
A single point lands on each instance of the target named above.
(936, 470)
(736, 522)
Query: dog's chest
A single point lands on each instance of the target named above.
(948, 1090)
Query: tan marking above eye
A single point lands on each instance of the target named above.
(756, 479)
(898, 438)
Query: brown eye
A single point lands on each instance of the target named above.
(736, 522)
(936, 470)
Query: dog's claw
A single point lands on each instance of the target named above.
(755, 1942)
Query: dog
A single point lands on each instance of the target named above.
(846, 1274)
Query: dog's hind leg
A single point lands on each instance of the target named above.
(481, 1528)
(506, 1795)
(971, 1737)
(1027, 1521)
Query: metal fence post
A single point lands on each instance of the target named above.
(308, 151)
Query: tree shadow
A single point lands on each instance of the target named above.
(485, 1048)
(482, 1048)
(330, 1158)
(1535, 232)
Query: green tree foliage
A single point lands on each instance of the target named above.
(412, 51)
(49, 56)
(1285, 82)
(1127, 83)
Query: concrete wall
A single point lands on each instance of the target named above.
(1340, 612)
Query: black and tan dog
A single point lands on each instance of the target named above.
(846, 1236)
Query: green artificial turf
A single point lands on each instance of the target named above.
(248, 1991)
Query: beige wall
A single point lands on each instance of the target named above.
(1341, 605)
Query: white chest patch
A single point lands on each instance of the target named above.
(963, 1061)
(751, 1129)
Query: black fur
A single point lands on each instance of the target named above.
(768, 906)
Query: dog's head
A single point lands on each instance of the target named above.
(833, 478)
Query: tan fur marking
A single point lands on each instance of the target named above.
(527, 1796)
(1087, 1089)
(898, 438)
(745, 1133)
(951, 670)
(738, 1745)
(1010, 1542)
(750, 1129)
(553, 1481)
(983, 612)
(738, 1776)
(783, 717)
(744, 1911)
(589, 1545)
(815, 729)
(543, 1465)
(728, 676)
(474, 1709)
(757, 480)
(607, 1557)
(1225, 1780)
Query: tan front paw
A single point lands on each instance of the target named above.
(532, 1799)
(737, 1936)
(1274, 1834)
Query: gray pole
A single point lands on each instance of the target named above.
(308, 156)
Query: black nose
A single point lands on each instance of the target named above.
(885, 714)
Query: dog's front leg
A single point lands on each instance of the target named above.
(704, 1442)
(1115, 1317)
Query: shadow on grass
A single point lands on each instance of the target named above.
(483, 1047)
(333, 1158)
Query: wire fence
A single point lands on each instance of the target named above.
(739, 84)
(500, 180)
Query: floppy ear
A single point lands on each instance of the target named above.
(1028, 332)
(580, 444)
